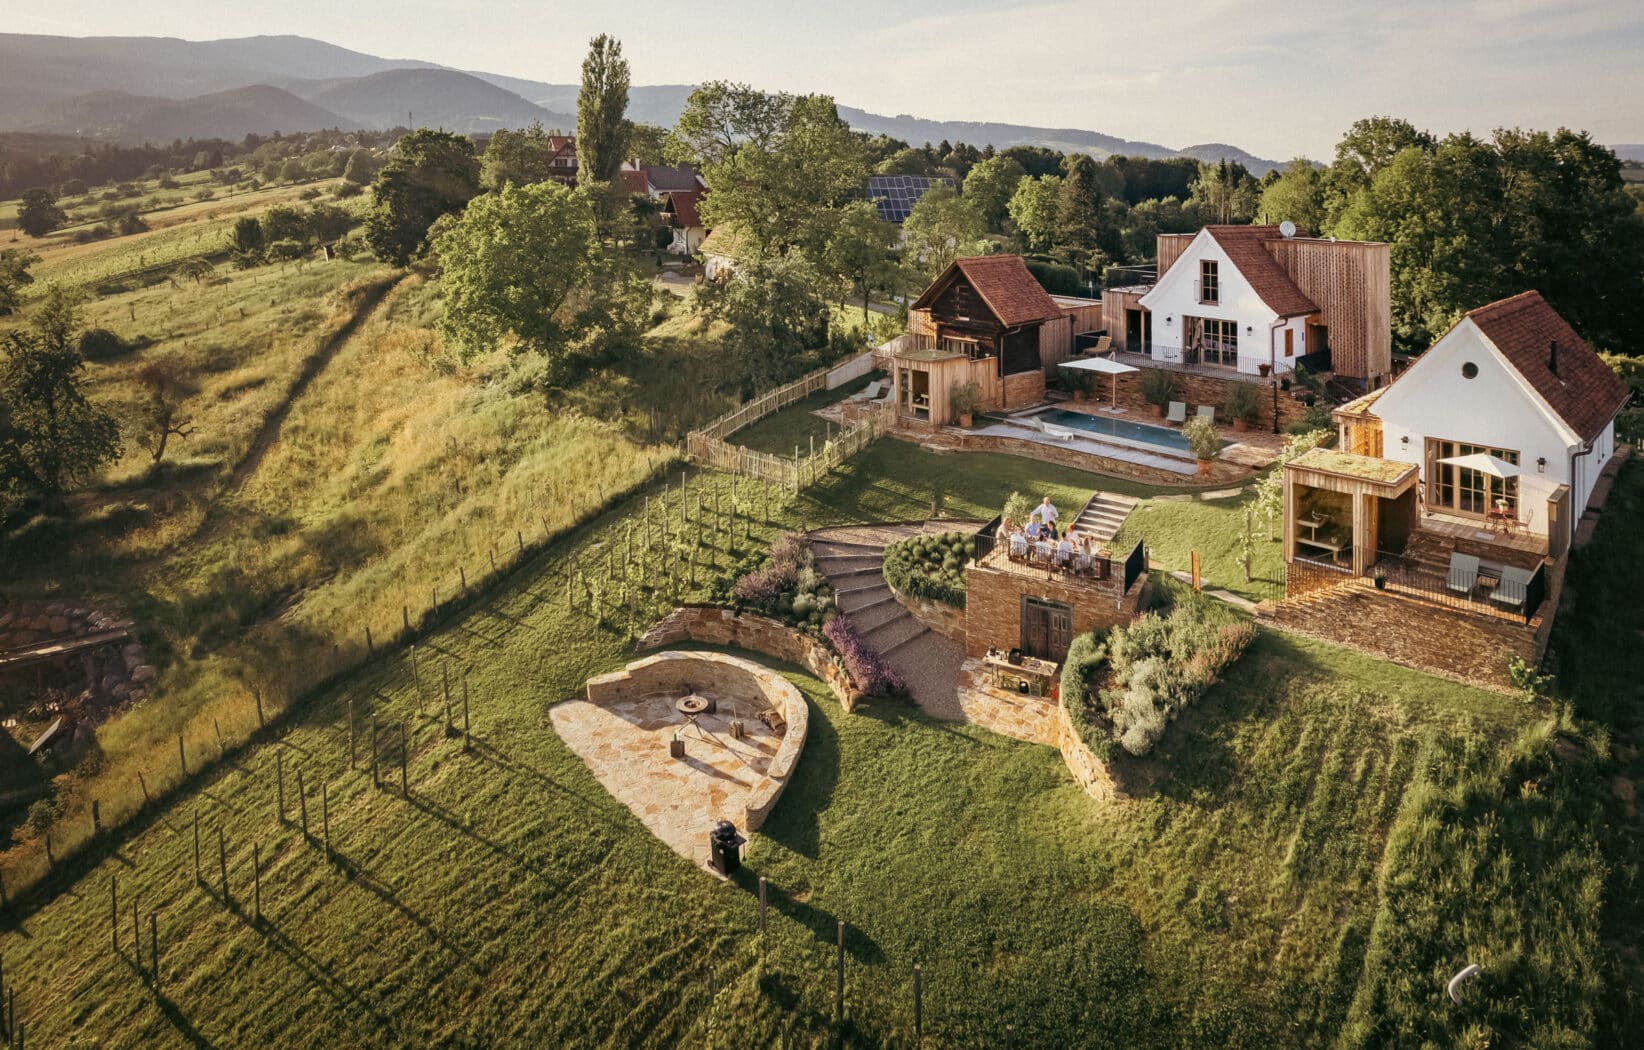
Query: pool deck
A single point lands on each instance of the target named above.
(1082, 442)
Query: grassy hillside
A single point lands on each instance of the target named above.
(1275, 888)
(342, 475)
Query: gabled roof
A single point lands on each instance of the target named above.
(665, 179)
(1245, 248)
(681, 204)
(561, 142)
(634, 181)
(1584, 391)
(1013, 294)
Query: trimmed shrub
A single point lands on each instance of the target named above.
(1201, 438)
(1056, 278)
(931, 567)
(787, 586)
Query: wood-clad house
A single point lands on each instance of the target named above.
(984, 320)
(1250, 299)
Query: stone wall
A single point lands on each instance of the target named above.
(1024, 389)
(101, 678)
(1194, 389)
(1090, 771)
(993, 602)
(723, 675)
(716, 626)
(1466, 647)
(940, 617)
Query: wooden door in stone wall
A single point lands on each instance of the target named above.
(1047, 629)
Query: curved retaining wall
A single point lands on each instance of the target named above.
(727, 676)
(760, 634)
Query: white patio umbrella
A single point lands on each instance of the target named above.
(1484, 463)
(1105, 365)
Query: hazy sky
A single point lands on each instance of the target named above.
(1277, 77)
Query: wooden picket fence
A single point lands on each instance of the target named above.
(709, 448)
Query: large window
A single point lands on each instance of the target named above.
(1220, 342)
(971, 348)
(1465, 491)
(1210, 285)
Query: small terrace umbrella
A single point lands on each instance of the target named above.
(1104, 365)
(1484, 463)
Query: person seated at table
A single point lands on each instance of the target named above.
(1064, 552)
(1043, 550)
(1034, 529)
(1018, 544)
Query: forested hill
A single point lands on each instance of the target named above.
(63, 85)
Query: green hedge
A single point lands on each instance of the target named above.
(1056, 278)
(1085, 656)
(930, 567)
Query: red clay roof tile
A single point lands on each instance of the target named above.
(1003, 281)
(1585, 392)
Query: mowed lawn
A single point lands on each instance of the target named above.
(510, 901)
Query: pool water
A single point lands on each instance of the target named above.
(1119, 429)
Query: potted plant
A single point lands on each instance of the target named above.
(1158, 389)
(1202, 440)
(966, 400)
(1379, 577)
(1241, 405)
(1264, 368)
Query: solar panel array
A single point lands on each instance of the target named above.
(895, 195)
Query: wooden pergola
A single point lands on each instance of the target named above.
(1378, 495)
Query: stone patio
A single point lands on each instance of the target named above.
(623, 728)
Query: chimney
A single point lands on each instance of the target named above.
(1552, 356)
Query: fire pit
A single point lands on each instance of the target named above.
(691, 704)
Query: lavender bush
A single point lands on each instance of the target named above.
(867, 668)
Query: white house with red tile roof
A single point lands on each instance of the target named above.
(1512, 380)
(1252, 298)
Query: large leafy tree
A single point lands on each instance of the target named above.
(990, 185)
(1296, 195)
(860, 251)
(432, 173)
(510, 266)
(1368, 146)
(1471, 221)
(1032, 210)
(602, 112)
(517, 158)
(51, 437)
(777, 319)
(14, 277)
(940, 228)
(778, 167)
(38, 213)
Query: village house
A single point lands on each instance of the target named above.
(679, 214)
(984, 320)
(1256, 300)
(1457, 491)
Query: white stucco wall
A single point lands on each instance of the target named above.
(1261, 337)
(1496, 408)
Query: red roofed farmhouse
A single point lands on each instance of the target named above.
(984, 320)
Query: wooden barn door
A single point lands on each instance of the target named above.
(1047, 629)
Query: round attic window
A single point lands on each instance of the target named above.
(1469, 370)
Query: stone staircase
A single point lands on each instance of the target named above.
(850, 557)
(1103, 516)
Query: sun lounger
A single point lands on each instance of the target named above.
(1103, 344)
(873, 389)
(1511, 590)
(1207, 412)
(1178, 412)
(1463, 573)
(1059, 433)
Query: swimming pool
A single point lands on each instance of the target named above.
(1123, 430)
